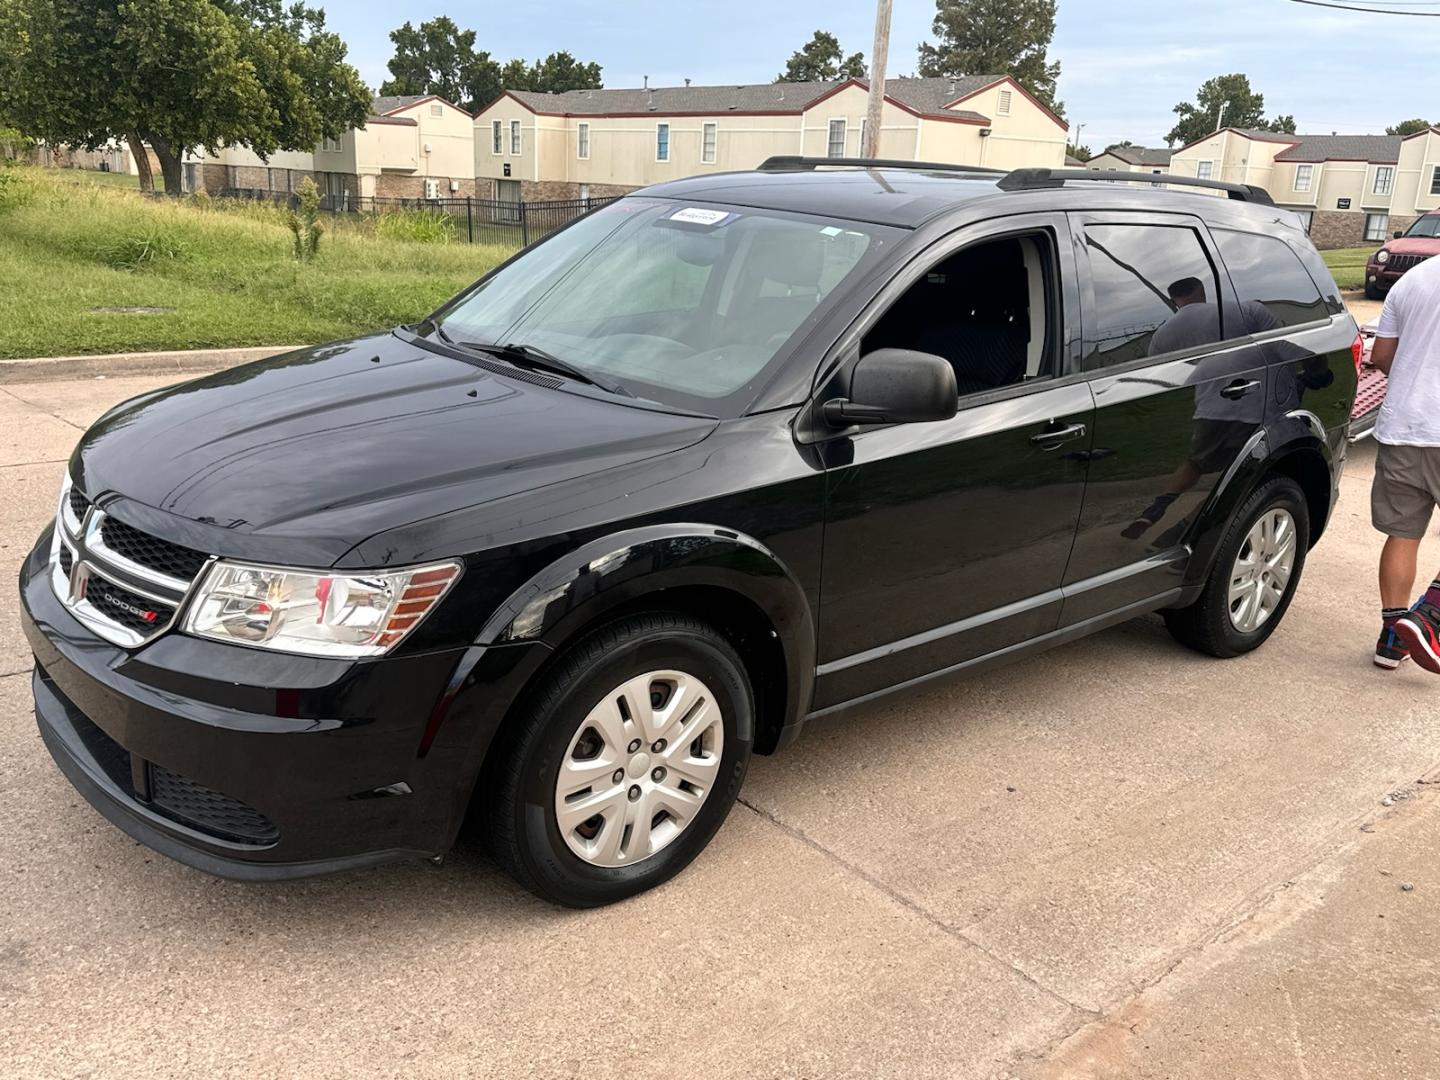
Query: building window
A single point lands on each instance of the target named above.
(583, 141)
(1376, 226)
(1304, 174)
(1435, 180)
(514, 136)
(662, 142)
(584, 192)
(707, 144)
(327, 143)
(495, 136)
(1003, 106)
(836, 145)
(436, 109)
(1204, 170)
(1384, 179)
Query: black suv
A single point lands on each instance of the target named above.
(725, 456)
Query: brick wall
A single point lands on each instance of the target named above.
(1346, 228)
(544, 190)
(213, 178)
(406, 186)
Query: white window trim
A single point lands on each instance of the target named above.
(1434, 179)
(1389, 172)
(668, 155)
(1201, 174)
(517, 140)
(830, 137)
(707, 130)
(582, 141)
(497, 138)
(1381, 231)
(1309, 172)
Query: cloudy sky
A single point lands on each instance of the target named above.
(1124, 63)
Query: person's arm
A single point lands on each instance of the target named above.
(1382, 355)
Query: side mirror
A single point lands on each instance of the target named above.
(896, 386)
(1399, 235)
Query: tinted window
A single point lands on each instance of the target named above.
(1155, 292)
(1268, 275)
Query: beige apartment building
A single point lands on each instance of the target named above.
(417, 147)
(1349, 189)
(589, 143)
(1137, 159)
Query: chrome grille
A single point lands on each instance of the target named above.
(125, 585)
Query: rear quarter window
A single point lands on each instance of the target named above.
(1273, 286)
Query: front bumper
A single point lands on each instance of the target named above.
(262, 766)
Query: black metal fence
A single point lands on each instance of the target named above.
(478, 221)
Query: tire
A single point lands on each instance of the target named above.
(575, 720)
(1208, 625)
(1373, 291)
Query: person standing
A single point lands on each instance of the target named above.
(1407, 464)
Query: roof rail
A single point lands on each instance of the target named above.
(796, 163)
(1033, 179)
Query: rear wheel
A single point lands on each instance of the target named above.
(1254, 577)
(626, 762)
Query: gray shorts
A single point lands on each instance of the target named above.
(1406, 489)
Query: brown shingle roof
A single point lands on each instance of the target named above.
(1381, 148)
(1142, 155)
(382, 105)
(926, 96)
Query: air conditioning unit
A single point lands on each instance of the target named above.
(432, 188)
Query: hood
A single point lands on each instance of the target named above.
(299, 457)
(1414, 245)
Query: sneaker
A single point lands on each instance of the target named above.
(1419, 632)
(1390, 651)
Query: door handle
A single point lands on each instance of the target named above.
(1239, 389)
(1053, 437)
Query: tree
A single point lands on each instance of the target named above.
(980, 37)
(1123, 144)
(175, 75)
(1079, 153)
(440, 58)
(822, 60)
(555, 74)
(1243, 108)
(1408, 127)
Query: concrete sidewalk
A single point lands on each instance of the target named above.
(1120, 859)
(114, 365)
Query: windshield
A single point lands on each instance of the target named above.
(683, 304)
(1429, 225)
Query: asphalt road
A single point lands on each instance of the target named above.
(1120, 859)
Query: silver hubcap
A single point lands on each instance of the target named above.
(639, 768)
(1262, 570)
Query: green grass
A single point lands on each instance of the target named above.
(220, 275)
(1348, 265)
(123, 181)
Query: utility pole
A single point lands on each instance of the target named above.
(874, 108)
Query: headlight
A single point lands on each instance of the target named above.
(1382, 256)
(315, 612)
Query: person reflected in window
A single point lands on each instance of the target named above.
(1221, 425)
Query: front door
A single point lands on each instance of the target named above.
(1179, 395)
(948, 541)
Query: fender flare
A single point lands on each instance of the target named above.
(599, 576)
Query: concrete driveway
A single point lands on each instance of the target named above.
(1120, 859)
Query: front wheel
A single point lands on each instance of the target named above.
(1373, 291)
(1254, 576)
(625, 763)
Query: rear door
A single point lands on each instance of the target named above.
(1180, 395)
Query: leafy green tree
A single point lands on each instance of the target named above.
(437, 57)
(980, 37)
(1079, 153)
(555, 74)
(1123, 144)
(1408, 127)
(1243, 108)
(822, 60)
(176, 75)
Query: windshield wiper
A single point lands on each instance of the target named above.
(535, 359)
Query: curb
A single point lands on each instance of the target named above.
(190, 361)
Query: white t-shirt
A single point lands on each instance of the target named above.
(1411, 413)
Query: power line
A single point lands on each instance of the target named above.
(1368, 10)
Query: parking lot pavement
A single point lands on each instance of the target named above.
(1117, 859)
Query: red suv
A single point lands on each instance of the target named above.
(1407, 249)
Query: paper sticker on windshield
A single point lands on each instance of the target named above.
(694, 215)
